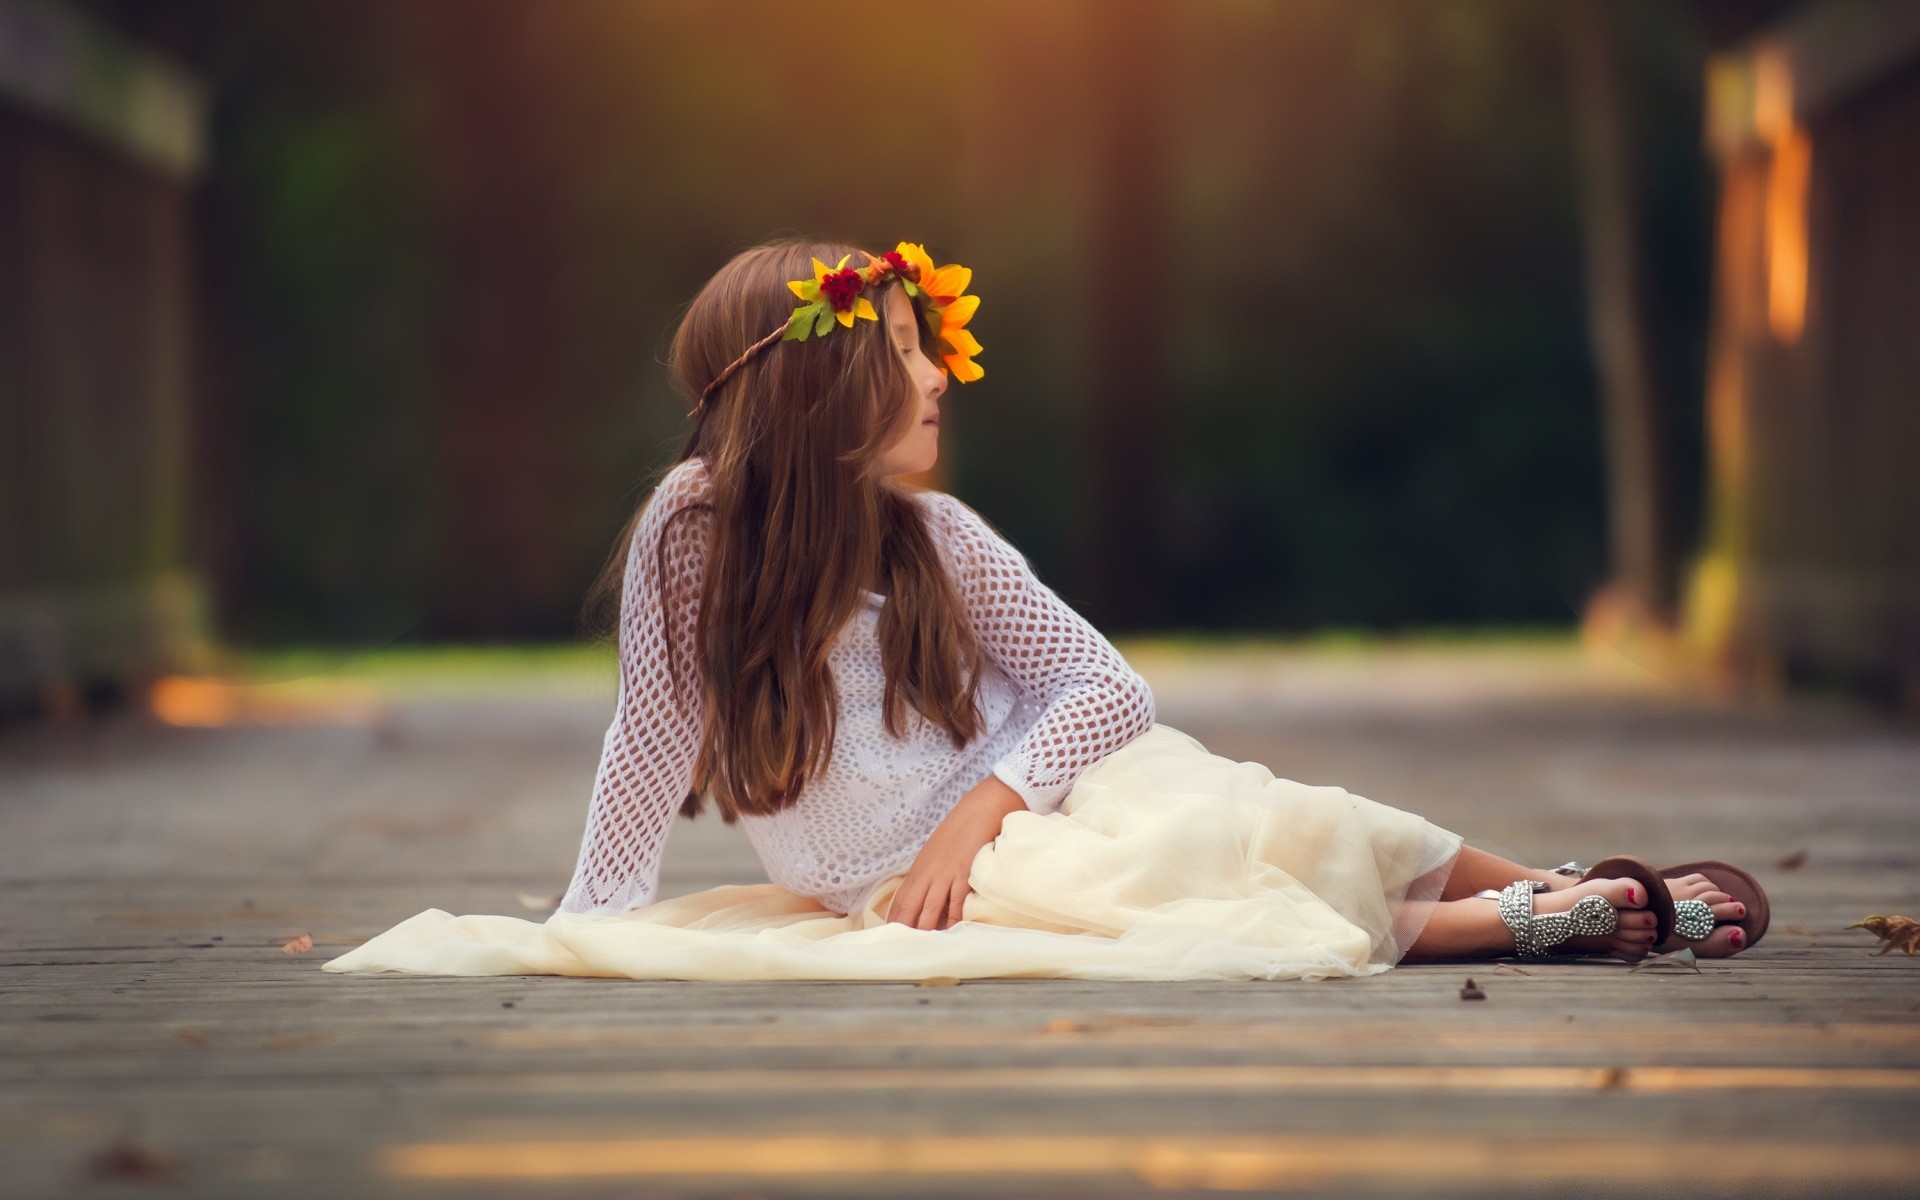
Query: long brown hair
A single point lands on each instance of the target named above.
(799, 524)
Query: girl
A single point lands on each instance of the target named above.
(943, 768)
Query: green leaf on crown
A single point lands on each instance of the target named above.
(800, 324)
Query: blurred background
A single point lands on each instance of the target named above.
(330, 327)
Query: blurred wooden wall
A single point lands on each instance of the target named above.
(99, 144)
(1811, 569)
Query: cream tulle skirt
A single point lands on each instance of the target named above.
(1165, 862)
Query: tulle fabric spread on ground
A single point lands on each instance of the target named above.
(1165, 862)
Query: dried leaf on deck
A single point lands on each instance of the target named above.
(132, 1160)
(1793, 862)
(1471, 991)
(1903, 932)
(299, 945)
(191, 1036)
(938, 981)
(1682, 959)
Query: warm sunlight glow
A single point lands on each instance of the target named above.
(1741, 234)
(1215, 1162)
(1772, 93)
(1787, 234)
(203, 702)
(1789, 174)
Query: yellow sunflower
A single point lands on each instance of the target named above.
(948, 309)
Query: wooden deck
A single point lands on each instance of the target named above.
(155, 1039)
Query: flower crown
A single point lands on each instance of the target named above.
(837, 294)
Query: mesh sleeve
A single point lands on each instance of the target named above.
(647, 757)
(1094, 702)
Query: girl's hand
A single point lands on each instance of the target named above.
(935, 887)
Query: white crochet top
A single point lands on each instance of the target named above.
(1057, 698)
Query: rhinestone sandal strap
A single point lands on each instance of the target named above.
(1516, 910)
(1592, 916)
(1692, 919)
(1534, 935)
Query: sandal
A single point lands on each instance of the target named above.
(1735, 882)
(1693, 920)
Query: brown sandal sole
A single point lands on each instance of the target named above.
(1659, 899)
(1737, 883)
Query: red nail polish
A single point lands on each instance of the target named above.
(1738, 937)
(1633, 894)
(1742, 908)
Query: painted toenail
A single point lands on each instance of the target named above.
(1632, 895)
(1737, 938)
(1741, 909)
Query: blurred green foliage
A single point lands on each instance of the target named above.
(515, 668)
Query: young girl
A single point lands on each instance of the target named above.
(944, 769)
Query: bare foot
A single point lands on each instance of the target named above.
(1724, 940)
(1635, 933)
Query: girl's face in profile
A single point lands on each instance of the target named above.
(919, 447)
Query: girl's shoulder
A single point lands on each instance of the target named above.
(942, 510)
(664, 514)
(685, 485)
(959, 525)
(686, 480)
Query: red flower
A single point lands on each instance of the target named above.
(842, 288)
(901, 266)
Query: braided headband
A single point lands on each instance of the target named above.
(836, 294)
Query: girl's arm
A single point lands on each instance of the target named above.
(1093, 701)
(647, 757)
